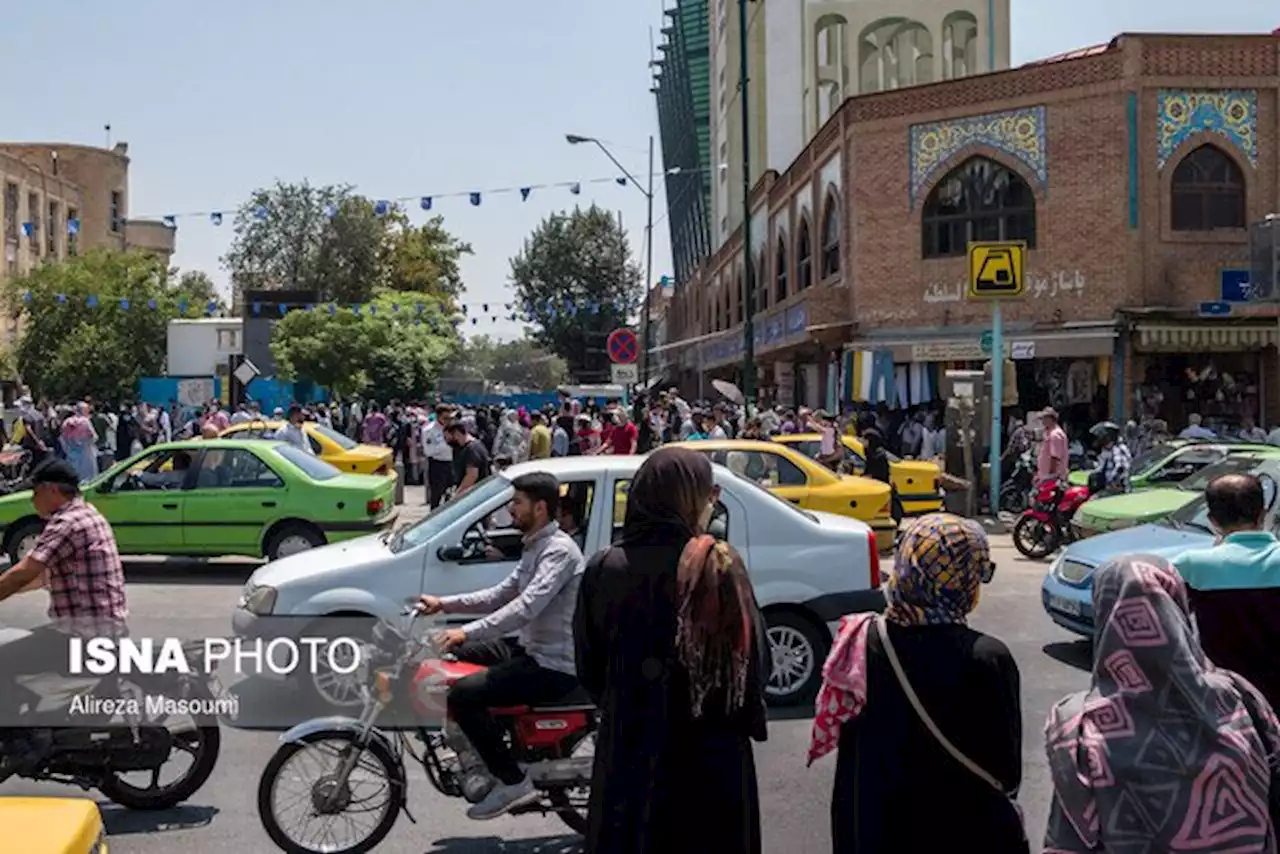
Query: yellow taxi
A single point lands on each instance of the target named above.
(805, 483)
(326, 443)
(51, 826)
(918, 482)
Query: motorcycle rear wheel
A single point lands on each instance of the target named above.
(271, 774)
(1026, 541)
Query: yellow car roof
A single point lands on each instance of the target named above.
(49, 825)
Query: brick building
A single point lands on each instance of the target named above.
(1131, 169)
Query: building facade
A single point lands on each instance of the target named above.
(59, 199)
(1131, 170)
(683, 90)
(805, 57)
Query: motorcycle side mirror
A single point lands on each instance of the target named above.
(451, 554)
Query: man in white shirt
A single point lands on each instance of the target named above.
(439, 455)
(293, 433)
(1195, 430)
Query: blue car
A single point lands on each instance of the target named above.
(1067, 591)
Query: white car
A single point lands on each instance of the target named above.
(808, 569)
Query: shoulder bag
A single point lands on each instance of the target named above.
(977, 770)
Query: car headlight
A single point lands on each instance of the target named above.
(1055, 568)
(259, 600)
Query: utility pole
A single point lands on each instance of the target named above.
(648, 277)
(748, 281)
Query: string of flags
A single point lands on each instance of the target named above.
(421, 313)
(427, 202)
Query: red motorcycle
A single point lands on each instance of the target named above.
(1046, 524)
(555, 742)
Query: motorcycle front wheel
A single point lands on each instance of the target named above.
(1035, 538)
(1013, 499)
(314, 762)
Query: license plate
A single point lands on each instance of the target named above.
(1066, 606)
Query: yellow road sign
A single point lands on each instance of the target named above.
(996, 269)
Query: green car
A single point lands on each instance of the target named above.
(1173, 461)
(1114, 512)
(221, 497)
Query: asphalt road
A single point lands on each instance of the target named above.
(171, 597)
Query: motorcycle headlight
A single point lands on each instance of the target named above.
(259, 600)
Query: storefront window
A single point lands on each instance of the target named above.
(981, 200)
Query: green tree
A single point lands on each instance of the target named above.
(518, 363)
(423, 259)
(287, 239)
(94, 324)
(576, 282)
(387, 350)
(199, 288)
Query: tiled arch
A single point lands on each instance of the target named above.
(1019, 134)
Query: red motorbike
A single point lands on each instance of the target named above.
(1046, 524)
(555, 742)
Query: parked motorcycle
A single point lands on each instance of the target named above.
(555, 741)
(1046, 524)
(110, 746)
(1015, 492)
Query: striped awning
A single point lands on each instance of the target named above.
(1204, 337)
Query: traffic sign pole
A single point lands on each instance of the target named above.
(997, 402)
(996, 272)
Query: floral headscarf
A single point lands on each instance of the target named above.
(939, 566)
(1164, 748)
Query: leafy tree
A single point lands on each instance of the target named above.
(94, 324)
(388, 350)
(198, 286)
(423, 259)
(575, 281)
(286, 239)
(518, 363)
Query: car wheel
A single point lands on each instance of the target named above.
(326, 691)
(291, 539)
(798, 649)
(23, 540)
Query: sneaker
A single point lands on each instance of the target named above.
(503, 799)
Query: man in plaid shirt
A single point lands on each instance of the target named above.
(77, 561)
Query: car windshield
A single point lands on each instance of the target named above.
(738, 478)
(314, 467)
(1192, 516)
(446, 514)
(1200, 481)
(1150, 457)
(334, 436)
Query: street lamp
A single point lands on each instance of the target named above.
(574, 139)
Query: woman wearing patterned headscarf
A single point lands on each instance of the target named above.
(1164, 749)
(891, 770)
(671, 646)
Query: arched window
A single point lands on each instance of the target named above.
(740, 309)
(979, 200)
(1208, 191)
(894, 52)
(804, 257)
(780, 271)
(832, 66)
(959, 45)
(831, 238)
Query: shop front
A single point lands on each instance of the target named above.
(1218, 370)
(1068, 368)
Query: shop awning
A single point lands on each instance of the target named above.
(1204, 337)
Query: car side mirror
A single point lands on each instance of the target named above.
(451, 554)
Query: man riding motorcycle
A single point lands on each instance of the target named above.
(1114, 460)
(536, 602)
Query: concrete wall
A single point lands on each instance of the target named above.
(202, 347)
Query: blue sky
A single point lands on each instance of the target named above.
(404, 98)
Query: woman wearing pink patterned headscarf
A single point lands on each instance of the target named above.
(1164, 752)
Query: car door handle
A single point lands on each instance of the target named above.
(268, 504)
(794, 500)
(169, 506)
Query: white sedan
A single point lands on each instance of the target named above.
(808, 569)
